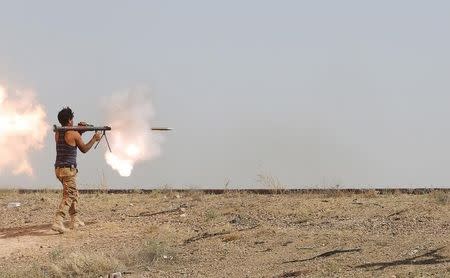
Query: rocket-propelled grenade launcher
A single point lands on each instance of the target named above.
(83, 127)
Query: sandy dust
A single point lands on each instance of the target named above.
(238, 234)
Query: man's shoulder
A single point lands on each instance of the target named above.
(73, 133)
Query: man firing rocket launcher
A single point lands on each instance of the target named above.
(68, 140)
(84, 127)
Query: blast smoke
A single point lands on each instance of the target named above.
(132, 141)
(23, 129)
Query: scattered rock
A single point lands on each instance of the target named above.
(287, 243)
(293, 274)
(165, 257)
(236, 220)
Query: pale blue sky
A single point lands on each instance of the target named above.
(314, 93)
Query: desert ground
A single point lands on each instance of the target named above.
(167, 233)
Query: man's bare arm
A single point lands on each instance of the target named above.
(84, 148)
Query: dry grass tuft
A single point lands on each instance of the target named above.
(196, 195)
(28, 271)
(211, 214)
(62, 263)
(440, 197)
(138, 191)
(77, 264)
(271, 182)
(334, 192)
(230, 238)
(149, 252)
(85, 265)
(56, 254)
(156, 194)
(371, 193)
(153, 250)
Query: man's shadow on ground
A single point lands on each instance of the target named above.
(35, 230)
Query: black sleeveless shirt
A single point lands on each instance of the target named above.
(66, 155)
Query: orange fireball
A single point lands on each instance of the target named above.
(23, 129)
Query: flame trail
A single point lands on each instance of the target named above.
(23, 128)
(131, 139)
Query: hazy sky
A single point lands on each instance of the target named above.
(314, 93)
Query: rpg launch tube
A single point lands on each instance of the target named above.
(99, 128)
(81, 128)
(162, 128)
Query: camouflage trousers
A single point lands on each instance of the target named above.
(67, 177)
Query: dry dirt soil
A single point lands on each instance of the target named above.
(235, 234)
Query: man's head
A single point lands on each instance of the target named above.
(65, 117)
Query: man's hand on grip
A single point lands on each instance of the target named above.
(97, 136)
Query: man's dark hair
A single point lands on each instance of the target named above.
(65, 115)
